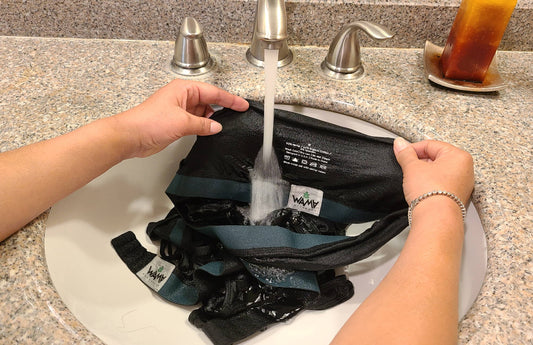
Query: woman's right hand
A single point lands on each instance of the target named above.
(433, 165)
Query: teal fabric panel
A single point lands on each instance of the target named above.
(215, 268)
(176, 235)
(201, 187)
(176, 291)
(343, 214)
(249, 237)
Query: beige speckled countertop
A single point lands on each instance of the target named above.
(51, 86)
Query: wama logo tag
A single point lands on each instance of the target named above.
(305, 199)
(156, 273)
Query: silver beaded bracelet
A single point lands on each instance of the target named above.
(435, 192)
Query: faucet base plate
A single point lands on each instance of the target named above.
(192, 71)
(357, 74)
(260, 63)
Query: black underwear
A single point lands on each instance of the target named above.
(246, 276)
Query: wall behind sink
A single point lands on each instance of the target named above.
(311, 22)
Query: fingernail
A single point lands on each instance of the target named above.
(400, 144)
(215, 127)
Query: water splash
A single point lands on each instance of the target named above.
(268, 188)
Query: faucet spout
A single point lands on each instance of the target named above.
(270, 32)
(271, 20)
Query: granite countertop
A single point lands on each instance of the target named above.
(51, 86)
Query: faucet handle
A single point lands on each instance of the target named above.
(343, 60)
(190, 50)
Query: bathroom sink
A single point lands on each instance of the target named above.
(112, 303)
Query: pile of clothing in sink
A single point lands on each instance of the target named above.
(246, 276)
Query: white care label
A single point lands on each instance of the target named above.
(307, 157)
(305, 199)
(156, 273)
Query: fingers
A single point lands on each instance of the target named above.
(427, 150)
(404, 151)
(203, 93)
(432, 149)
(214, 127)
(210, 94)
(200, 126)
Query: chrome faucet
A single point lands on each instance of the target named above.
(344, 56)
(270, 32)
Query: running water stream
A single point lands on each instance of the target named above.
(271, 75)
(268, 188)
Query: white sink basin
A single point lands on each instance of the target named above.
(113, 304)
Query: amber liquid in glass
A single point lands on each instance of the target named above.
(474, 38)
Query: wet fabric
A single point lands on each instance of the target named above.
(248, 276)
(358, 174)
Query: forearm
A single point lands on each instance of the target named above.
(36, 176)
(417, 301)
